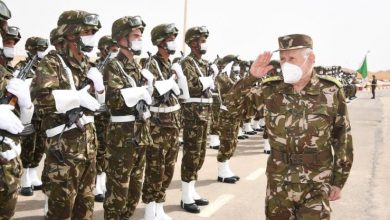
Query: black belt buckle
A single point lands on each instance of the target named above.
(296, 159)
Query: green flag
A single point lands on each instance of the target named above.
(363, 68)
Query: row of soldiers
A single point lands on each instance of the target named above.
(110, 122)
(108, 125)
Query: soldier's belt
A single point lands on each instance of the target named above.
(123, 118)
(300, 159)
(214, 94)
(165, 109)
(199, 100)
(57, 130)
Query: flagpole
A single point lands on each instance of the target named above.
(185, 25)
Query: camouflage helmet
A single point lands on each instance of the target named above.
(35, 43)
(196, 32)
(12, 33)
(227, 59)
(124, 25)
(163, 31)
(106, 41)
(55, 37)
(5, 13)
(74, 21)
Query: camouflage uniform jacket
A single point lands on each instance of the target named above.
(117, 80)
(7, 181)
(312, 120)
(171, 119)
(190, 110)
(224, 83)
(22, 63)
(51, 75)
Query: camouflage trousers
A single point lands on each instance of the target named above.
(214, 127)
(194, 148)
(101, 121)
(229, 132)
(33, 147)
(10, 174)
(69, 184)
(125, 168)
(161, 158)
(292, 201)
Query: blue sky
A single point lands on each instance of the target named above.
(342, 30)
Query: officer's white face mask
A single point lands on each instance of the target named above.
(292, 73)
(136, 47)
(9, 52)
(203, 48)
(171, 47)
(41, 54)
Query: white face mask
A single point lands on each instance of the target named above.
(136, 47)
(9, 52)
(203, 48)
(171, 46)
(88, 41)
(114, 54)
(236, 69)
(292, 73)
(41, 54)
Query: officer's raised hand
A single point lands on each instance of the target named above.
(261, 65)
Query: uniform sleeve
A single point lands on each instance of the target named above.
(114, 81)
(235, 97)
(44, 83)
(342, 143)
(194, 86)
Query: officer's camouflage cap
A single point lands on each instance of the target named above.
(163, 31)
(75, 21)
(196, 32)
(295, 41)
(35, 43)
(55, 37)
(106, 41)
(12, 33)
(124, 25)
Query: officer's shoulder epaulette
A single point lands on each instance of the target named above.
(331, 79)
(271, 79)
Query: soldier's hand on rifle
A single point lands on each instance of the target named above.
(261, 65)
(20, 89)
(97, 78)
(178, 70)
(86, 100)
(9, 121)
(215, 70)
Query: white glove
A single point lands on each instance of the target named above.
(207, 82)
(134, 94)
(86, 100)
(183, 85)
(66, 100)
(9, 121)
(215, 70)
(175, 87)
(97, 78)
(150, 78)
(14, 152)
(179, 71)
(21, 90)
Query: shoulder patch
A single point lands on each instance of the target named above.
(331, 79)
(272, 79)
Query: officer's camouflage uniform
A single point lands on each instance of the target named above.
(214, 122)
(68, 185)
(196, 117)
(162, 155)
(126, 143)
(302, 128)
(11, 171)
